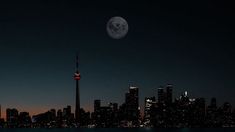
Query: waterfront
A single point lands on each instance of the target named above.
(122, 130)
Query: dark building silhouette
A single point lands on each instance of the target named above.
(233, 117)
(169, 88)
(53, 113)
(59, 115)
(161, 95)
(114, 114)
(132, 105)
(67, 112)
(45, 120)
(97, 104)
(213, 103)
(24, 120)
(1, 119)
(12, 117)
(2, 122)
(85, 118)
(0, 111)
(212, 114)
(226, 114)
(67, 115)
(105, 116)
(197, 112)
(182, 107)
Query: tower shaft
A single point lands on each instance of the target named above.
(77, 109)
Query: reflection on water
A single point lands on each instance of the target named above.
(122, 130)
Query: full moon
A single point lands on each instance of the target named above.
(117, 27)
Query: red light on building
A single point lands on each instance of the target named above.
(77, 76)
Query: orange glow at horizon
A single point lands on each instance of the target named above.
(39, 110)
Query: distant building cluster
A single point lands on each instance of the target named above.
(162, 112)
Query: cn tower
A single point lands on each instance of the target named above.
(77, 78)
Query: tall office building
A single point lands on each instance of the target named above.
(213, 103)
(12, 117)
(24, 119)
(59, 114)
(132, 104)
(77, 77)
(169, 93)
(161, 95)
(149, 101)
(97, 104)
(67, 111)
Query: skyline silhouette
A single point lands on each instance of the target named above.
(106, 102)
(159, 111)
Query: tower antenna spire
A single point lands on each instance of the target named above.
(77, 61)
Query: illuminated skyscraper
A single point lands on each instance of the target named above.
(77, 78)
(132, 105)
(149, 101)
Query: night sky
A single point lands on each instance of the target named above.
(189, 44)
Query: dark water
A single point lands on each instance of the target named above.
(123, 130)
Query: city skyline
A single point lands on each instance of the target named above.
(188, 44)
(162, 93)
(159, 111)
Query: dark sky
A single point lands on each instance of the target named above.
(189, 44)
